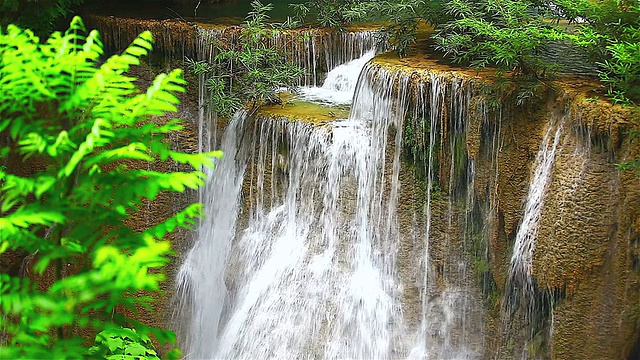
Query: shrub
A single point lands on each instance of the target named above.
(610, 31)
(504, 34)
(398, 19)
(38, 15)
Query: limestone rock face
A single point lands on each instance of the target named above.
(584, 268)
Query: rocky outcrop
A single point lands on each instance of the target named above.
(585, 262)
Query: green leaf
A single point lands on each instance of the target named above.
(135, 349)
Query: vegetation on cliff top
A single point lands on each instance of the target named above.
(38, 15)
(507, 34)
(88, 126)
(510, 35)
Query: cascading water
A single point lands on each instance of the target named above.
(341, 47)
(316, 51)
(340, 84)
(311, 260)
(201, 277)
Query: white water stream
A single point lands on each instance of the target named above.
(340, 84)
(520, 270)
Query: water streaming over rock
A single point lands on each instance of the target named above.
(520, 270)
(367, 238)
(343, 46)
(317, 51)
(339, 86)
(200, 280)
(331, 256)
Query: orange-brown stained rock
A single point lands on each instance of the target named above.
(173, 38)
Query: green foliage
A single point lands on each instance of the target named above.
(123, 343)
(400, 18)
(37, 15)
(86, 125)
(610, 31)
(508, 35)
(245, 70)
(621, 72)
(505, 34)
(328, 13)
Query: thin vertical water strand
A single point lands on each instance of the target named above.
(423, 348)
(448, 305)
(456, 299)
(390, 234)
(524, 247)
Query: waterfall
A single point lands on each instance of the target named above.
(308, 251)
(343, 46)
(200, 280)
(307, 265)
(314, 50)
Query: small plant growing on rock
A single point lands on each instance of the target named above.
(610, 31)
(246, 71)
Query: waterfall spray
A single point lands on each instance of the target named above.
(206, 261)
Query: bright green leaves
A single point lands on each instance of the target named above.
(181, 219)
(610, 32)
(121, 272)
(196, 161)
(329, 13)
(123, 343)
(26, 217)
(15, 189)
(160, 96)
(621, 72)
(510, 34)
(85, 141)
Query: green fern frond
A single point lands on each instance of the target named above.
(89, 124)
